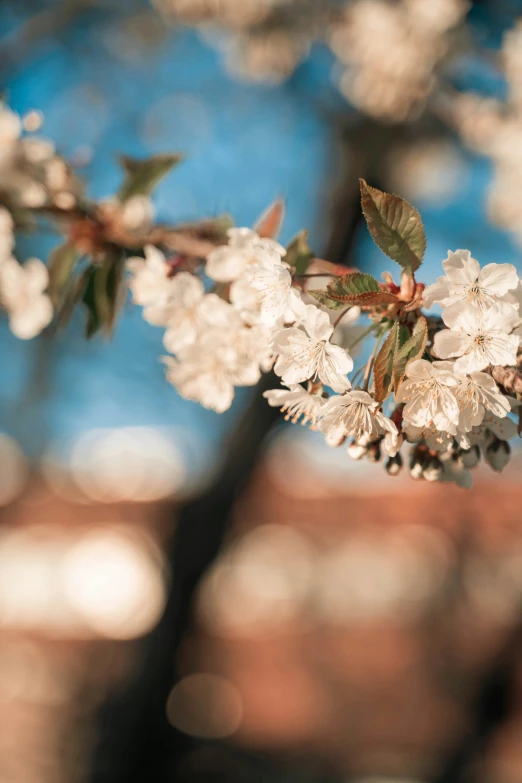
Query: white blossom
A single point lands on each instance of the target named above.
(186, 324)
(493, 426)
(187, 312)
(273, 283)
(22, 294)
(465, 281)
(478, 338)
(244, 296)
(251, 339)
(436, 440)
(356, 414)
(149, 281)
(309, 355)
(245, 248)
(297, 402)
(392, 443)
(476, 393)
(207, 372)
(428, 394)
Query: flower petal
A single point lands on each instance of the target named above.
(499, 278)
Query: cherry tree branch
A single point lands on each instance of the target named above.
(508, 377)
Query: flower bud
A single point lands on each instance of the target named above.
(357, 450)
(418, 461)
(374, 451)
(335, 437)
(394, 465)
(498, 454)
(470, 458)
(416, 471)
(433, 470)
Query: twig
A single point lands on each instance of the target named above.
(340, 317)
(361, 337)
(508, 377)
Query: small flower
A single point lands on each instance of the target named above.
(188, 322)
(466, 282)
(478, 339)
(296, 402)
(244, 296)
(22, 294)
(476, 393)
(207, 372)
(273, 283)
(436, 440)
(503, 428)
(178, 302)
(356, 414)
(428, 394)
(309, 356)
(149, 281)
(244, 249)
(392, 443)
(247, 237)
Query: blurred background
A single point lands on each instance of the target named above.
(193, 597)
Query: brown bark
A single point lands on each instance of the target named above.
(508, 377)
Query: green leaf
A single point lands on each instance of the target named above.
(299, 253)
(103, 293)
(395, 225)
(323, 298)
(412, 349)
(383, 365)
(359, 288)
(62, 261)
(142, 176)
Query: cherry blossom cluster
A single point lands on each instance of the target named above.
(234, 303)
(30, 175)
(262, 40)
(494, 128)
(414, 35)
(265, 40)
(35, 180)
(249, 312)
(221, 343)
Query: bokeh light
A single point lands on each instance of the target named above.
(205, 705)
(14, 470)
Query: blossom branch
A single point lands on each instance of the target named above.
(510, 378)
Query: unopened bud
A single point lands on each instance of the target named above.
(433, 470)
(470, 458)
(335, 437)
(416, 471)
(418, 461)
(357, 450)
(394, 465)
(374, 452)
(498, 454)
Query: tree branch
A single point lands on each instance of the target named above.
(508, 377)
